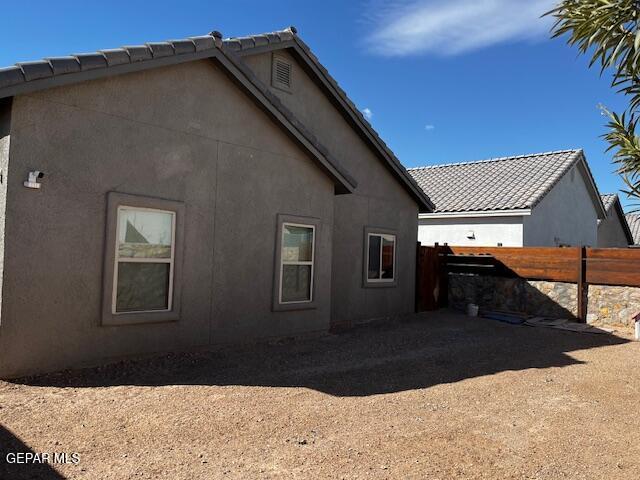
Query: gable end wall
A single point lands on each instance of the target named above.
(611, 232)
(565, 216)
(184, 133)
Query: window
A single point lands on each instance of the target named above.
(296, 271)
(143, 273)
(281, 70)
(380, 258)
(143, 260)
(295, 263)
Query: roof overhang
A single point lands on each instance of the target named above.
(476, 214)
(14, 81)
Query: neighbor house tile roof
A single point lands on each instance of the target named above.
(25, 77)
(608, 200)
(506, 183)
(633, 219)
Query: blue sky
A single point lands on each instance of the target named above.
(444, 80)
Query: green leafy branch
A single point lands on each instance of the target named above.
(608, 31)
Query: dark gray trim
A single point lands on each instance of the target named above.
(276, 306)
(114, 200)
(366, 283)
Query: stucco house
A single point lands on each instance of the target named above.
(613, 231)
(543, 199)
(633, 220)
(195, 192)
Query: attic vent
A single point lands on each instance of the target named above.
(281, 73)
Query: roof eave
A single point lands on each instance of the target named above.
(514, 212)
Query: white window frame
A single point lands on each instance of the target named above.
(297, 262)
(395, 242)
(118, 260)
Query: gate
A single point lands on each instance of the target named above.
(431, 278)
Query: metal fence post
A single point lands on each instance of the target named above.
(582, 307)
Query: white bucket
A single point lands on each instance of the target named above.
(472, 310)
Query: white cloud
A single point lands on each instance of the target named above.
(429, 127)
(451, 27)
(368, 114)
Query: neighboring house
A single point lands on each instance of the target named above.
(613, 231)
(195, 192)
(633, 220)
(544, 199)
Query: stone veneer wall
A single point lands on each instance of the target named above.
(554, 299)
(613, 305)
(606, 305)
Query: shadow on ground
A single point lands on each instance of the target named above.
(10, 446)
(417, 352)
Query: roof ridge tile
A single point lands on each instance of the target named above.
(498, 159)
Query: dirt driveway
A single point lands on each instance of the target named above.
(435, 396)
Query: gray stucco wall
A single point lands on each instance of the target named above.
(183, 133)
(611, 232)
(5, 138)
(566, 215)
(379, 201)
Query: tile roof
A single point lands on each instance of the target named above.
(24, 72)
(608, 200)
(30, 76)
(633, 219)
(507, 183)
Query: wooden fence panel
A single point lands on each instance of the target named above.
(544, 263)
(582, 266)
(613, 266)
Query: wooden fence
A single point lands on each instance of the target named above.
(579, 265)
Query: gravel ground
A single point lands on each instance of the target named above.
(434, 396)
